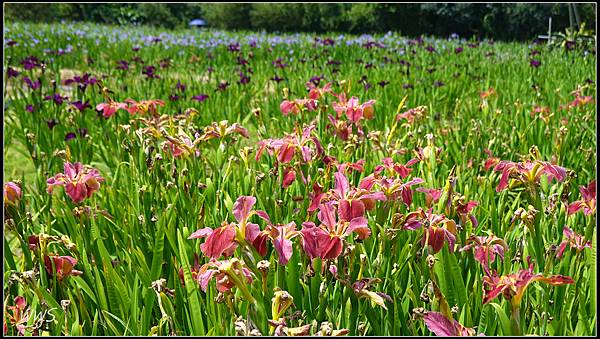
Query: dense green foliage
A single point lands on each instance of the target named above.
(497, 21)
(443, 108)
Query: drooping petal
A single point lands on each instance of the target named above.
(201, 233)
(284, 249)
(204, 278)
(310, 243)
(438, 324)
(360, 226)
(331, 247)
(350, 209)
(574, 207)
(219, 241)
(341, 184)
(326, 215)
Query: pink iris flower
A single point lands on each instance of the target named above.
(144, 106)
(588, 203)
(403, 170)
(396, 189)
(292, 144)
(325, 241)
(485, 249)
(18, 316)
(281, 236)
(224, 240)
(463, 210)
(341, 128)
(528, 172)
(181, 146)
(352, 202)
(108, 109)
(412, 114)
(222, 129)
(513, 286)
(80, 181)
(228, 273)
(491, 161)
(352, 109)
(574, 240)
(316, 93)
(432, 195)
(439, 229)
(63, 266)
(345, 167)
(12, 192)
(298, 105)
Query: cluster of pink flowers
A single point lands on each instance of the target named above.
(145, 106)
(309, 104)
(291, 146)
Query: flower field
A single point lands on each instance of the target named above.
(215, 183)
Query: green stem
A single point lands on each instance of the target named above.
(281, 276)
(353, 314)
(537, 234)
(516, 320)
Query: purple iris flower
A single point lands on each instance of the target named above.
(51, 123)
(56, 97)
(81, 106)
(279, 63)
(241, 61)
(30, 63)
(29, 108)
(70, 136)
(438, 84)
(316, 80)
(328, 42)
(165, 63)
(12, 73)
(122, 64)
(222, 86)
(137, 59)
(148, 71)
(277, 79)
(33, 85)
(200, 97)
(181, 87)
(234, 47)
(459, 50)
(535, 63)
